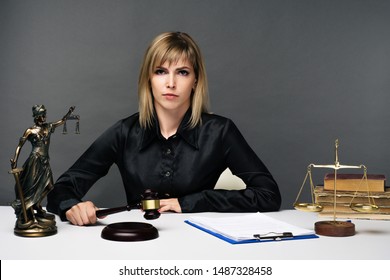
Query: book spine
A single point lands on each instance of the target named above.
(347, 200)
(355, 185)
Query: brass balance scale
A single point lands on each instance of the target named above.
(334, 227)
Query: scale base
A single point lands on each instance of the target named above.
(129, 231)
(334, 228)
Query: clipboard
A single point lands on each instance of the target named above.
(269, 236)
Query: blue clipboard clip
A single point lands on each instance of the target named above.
(274, 236)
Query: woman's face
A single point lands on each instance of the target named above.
(172, 85)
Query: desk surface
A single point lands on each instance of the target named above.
(179, 240)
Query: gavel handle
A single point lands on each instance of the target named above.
(109, 211)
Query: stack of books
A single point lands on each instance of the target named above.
(351, 190)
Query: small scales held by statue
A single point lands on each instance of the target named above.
(35, 179)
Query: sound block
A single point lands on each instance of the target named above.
(334, 228)
(129, 231)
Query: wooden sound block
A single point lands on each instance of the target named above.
(129, 231)
(334, 228)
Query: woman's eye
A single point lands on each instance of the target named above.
(183, 72)
(159, 72)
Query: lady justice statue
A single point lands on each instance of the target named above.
(35, 179)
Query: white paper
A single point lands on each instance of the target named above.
(244, 227)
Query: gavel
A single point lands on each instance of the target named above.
(150, 203)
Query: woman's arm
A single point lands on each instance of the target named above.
(261, 192)
(95, 162)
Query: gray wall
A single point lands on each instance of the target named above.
(293, 75)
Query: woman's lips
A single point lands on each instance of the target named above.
(170, 96)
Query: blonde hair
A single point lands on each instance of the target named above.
(171, 47)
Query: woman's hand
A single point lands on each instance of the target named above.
(171, 204)
(83, 213)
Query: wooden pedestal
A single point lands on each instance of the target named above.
(334, 228)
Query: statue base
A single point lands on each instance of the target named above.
(35, 229)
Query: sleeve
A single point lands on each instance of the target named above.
(95, 163)
(261, 193)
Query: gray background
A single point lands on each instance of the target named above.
(293, 75)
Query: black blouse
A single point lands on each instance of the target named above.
(185, 166)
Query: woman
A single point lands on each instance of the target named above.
(36, 179)
(172, 145)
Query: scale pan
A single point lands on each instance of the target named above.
(308, 207)
(365, 208)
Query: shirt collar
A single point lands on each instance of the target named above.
(190, 135)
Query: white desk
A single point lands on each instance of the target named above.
(179, 240)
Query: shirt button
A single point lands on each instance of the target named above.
(167, 174)
(168, 152)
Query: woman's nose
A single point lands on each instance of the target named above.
(171, 81)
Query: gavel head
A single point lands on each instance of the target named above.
(150, 204)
